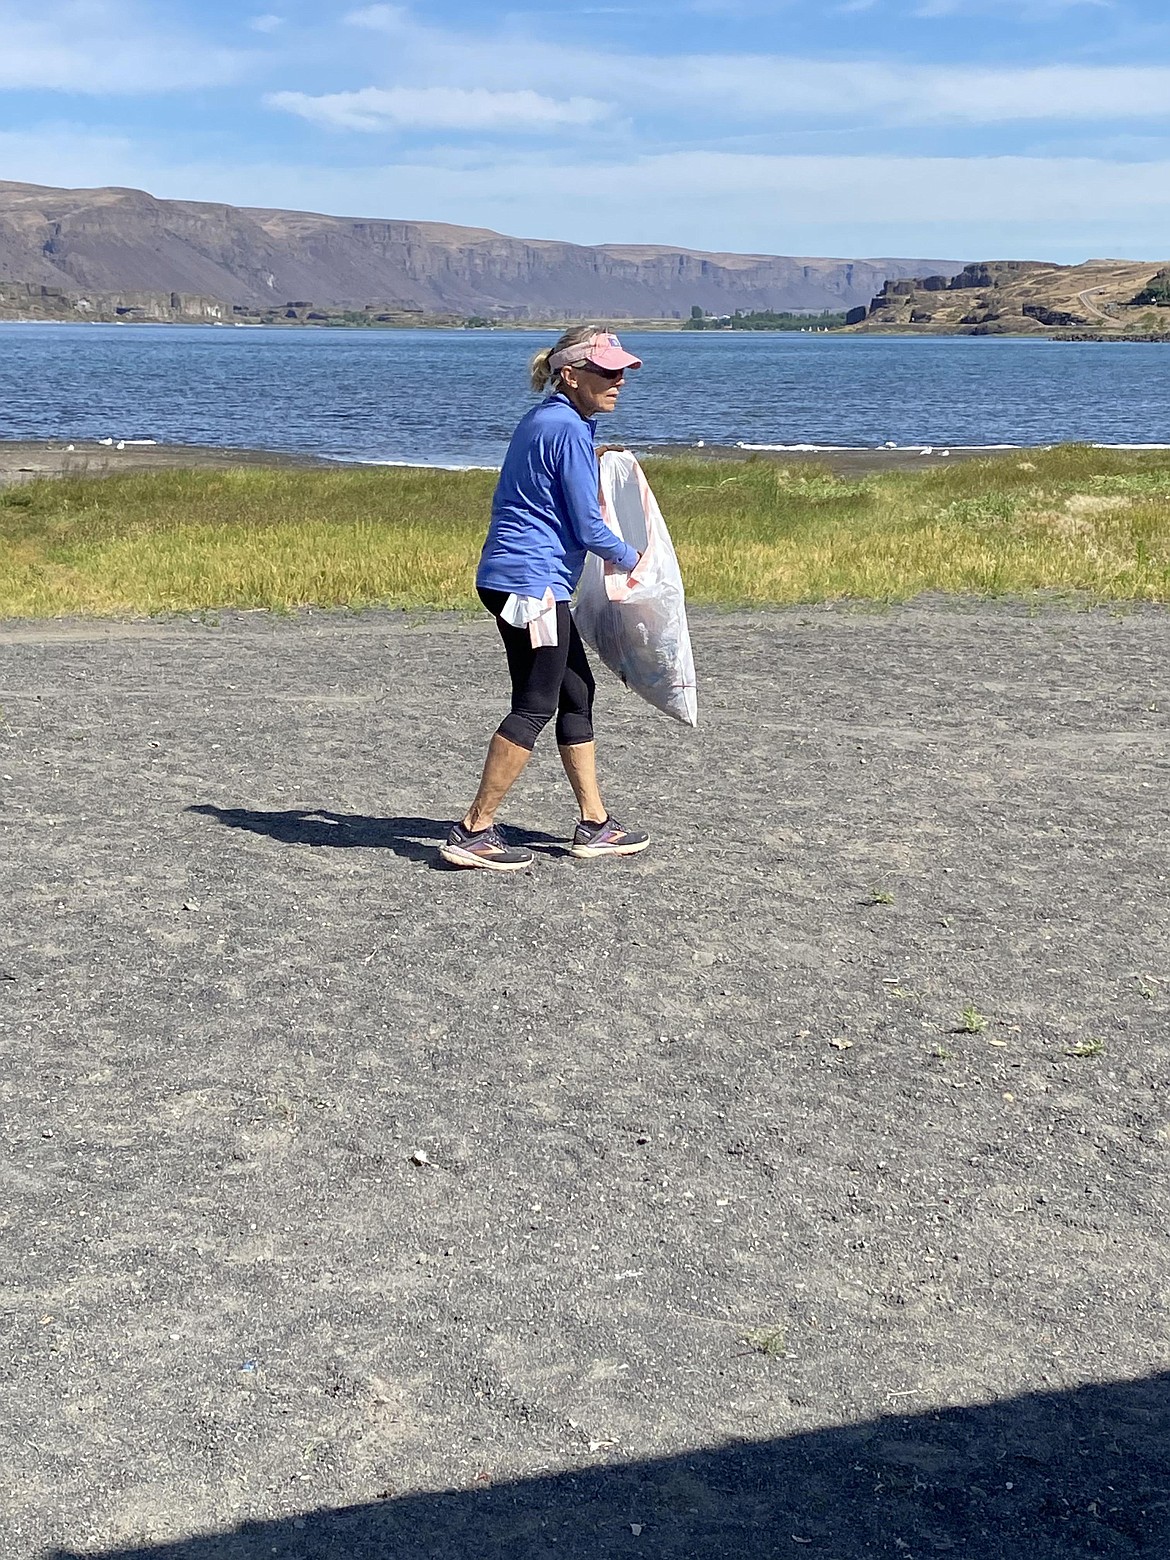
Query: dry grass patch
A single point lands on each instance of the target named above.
(1071, 520)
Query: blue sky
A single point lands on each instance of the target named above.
(927, 128)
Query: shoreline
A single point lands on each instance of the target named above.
(27, 460)
(1061, 334)
(432, 323)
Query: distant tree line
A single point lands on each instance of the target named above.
(762, 319)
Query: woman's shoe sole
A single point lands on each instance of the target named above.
(457, 858)
(592, 852)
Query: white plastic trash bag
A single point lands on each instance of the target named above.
(637, 622)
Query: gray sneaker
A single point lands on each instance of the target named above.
(607, 839)
(483, 848)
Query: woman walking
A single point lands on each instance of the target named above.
(546, 516)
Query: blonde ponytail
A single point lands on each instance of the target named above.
(539, 369)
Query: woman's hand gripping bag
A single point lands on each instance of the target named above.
(637, 622)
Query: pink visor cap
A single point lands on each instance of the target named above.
(603, 350)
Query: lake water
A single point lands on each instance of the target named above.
(453, 397)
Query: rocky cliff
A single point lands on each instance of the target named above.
(1025, 297)
(27, 301)
(118, 241)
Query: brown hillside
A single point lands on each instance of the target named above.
(117, 241)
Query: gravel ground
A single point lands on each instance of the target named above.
(355, 1207)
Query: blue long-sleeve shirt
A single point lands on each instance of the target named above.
(545, 511)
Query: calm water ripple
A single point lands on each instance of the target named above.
(453, 397)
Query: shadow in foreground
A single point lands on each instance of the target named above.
(1049, 1476)
(417, 839)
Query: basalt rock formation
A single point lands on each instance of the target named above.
(27, 301)
(1106, 298)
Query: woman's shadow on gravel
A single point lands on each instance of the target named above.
(1046, 1476)
(415, 839)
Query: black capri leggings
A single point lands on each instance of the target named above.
(546, 681)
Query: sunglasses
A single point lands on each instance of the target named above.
(612, 374)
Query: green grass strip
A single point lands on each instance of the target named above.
(1072, 521)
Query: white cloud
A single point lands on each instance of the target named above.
(438, 108)
(382, 18)
(95, 47)
(1067, 92)
(770, 89)
(777, 89)
(1027, 9)
(267, 23)
(779, 190)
